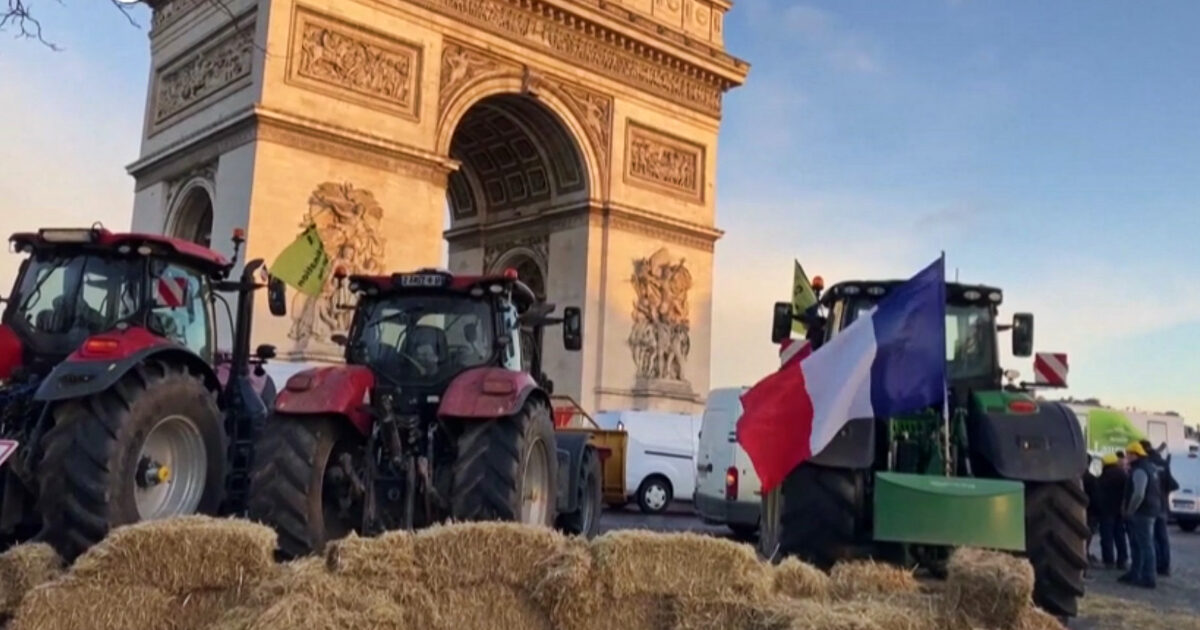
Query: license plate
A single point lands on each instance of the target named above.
(7, 448)
(1184, 505)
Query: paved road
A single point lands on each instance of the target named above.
(1179, 593)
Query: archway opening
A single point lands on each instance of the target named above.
(517, 159)
(193, 219)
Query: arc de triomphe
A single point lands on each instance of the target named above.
(574, 140)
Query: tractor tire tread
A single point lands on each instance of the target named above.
(280, 478)
(1056, 532)
(820, 524)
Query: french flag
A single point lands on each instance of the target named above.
(889, 361)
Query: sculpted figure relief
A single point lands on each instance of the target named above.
(348, 220)
(660, 339)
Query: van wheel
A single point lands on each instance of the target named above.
(655, 494)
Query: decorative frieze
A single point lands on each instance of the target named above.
(203, 73)
(536, 244)
(664, 162)
(354, 63)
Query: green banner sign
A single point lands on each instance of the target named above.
(1109, 431)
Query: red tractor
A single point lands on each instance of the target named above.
(437, 414)
(115, 406)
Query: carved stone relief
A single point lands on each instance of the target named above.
(354, 63)
(664, 162)
(661, 335)
(206, 172)
(348, 220)
(168, 12)
(604, 55)
(183, 84)
(595, 111)
(462, 66)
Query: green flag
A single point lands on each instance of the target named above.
(304, 264)
(802, 297)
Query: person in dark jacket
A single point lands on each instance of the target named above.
(1167, 484)
(1093, 509)
(1110, 490)
(1143, 502)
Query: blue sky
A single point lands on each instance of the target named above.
(1052, 149)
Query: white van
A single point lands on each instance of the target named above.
(1185, 502)
(660, 456)
(727, 486)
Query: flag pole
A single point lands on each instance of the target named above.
(946, 396)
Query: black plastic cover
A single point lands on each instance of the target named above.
(854, 446)
(1045, 446)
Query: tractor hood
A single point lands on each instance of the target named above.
(10, 352)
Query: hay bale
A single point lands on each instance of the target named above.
(373, 610)
(23, 567)
(566, 590)
(1033, 618)
(808, 614)
(894, 612)
(70, 604)
(200, 610)
(466, 554)
(800, 580)
(634, 563)
(488, 606)
(388, 556)
(987, 587)
(643, 612)
(865, 577)
(181, 555)
(689, 614)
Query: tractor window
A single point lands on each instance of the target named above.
(69, 298)
(179, 310)
(970, 341)
(425, 337)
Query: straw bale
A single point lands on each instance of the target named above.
(1033, 618)
(487, 607)
(69, 604)
(630, 563)
(895, 611)
(687, 614)
(796, 579)
(866, 577)
(201, 609)
(181, 554)
(23, 567)
(987, 587)
(372, 611)
(808, 614)
(387, 556)
(641, 612)
(465, 554)
(566, 589)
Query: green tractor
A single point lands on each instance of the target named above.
(996, 468)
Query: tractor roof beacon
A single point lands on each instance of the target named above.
(876, 489)
(112, 388)
(436, 415)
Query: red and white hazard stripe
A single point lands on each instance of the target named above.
(1050, 368)
(171, 291)
(792, 351)
(7, 448)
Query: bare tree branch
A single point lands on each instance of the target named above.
(18, 16)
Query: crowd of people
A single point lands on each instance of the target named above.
(1128, 505)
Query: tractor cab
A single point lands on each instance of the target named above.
(76, 283)
(420, 330)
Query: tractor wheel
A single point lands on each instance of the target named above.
(151, 446)
(820, 514)
(585, 521)
(297, 481)
(1056, 532)
(506, 469)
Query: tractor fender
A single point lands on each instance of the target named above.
(103, 359)
(1046, 445)
(852, 447)
(340, 390)
(570, 446)
(486, 393)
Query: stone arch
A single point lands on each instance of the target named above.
(191, 217)
(531, 94)
(530, 267)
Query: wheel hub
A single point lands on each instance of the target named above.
(172, 469)
(152, 473)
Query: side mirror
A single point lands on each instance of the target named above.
(781, 326)
(572, 328)
(1022, 335)
(339, 339)
(277, 296)
(265, 352)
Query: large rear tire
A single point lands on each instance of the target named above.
(819, 518)
(1056, 533)
(506, 469)
(585, 521)
(293, 485)
(151, 446)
